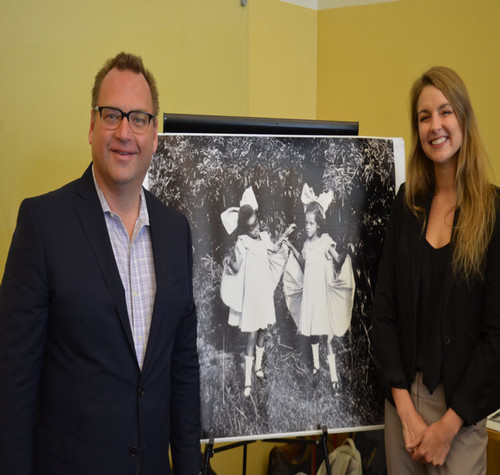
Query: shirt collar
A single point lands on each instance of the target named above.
(143, 217)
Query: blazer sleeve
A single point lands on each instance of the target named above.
(478, 395)
(385, 335)
(185, 424)
(24, 298)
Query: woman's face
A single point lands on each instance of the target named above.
(311, 225)
(438, 128)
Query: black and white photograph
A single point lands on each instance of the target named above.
(287, 232)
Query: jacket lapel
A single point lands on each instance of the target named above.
(417, 237)
(90, 213)
(159, 231)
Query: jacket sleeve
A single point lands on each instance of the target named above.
(385, 307)
(185, 394)
(478, 395)
(24, 303)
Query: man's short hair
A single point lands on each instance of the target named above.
(126, 62)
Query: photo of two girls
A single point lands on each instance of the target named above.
(287, 234)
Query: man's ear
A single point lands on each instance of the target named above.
(156, 135)
(91, 127)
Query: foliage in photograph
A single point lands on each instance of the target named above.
(202, 176)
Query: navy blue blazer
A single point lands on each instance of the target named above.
(73, 400)
(470, 319)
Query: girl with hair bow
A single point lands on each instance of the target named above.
(319, 283)
(250, 276)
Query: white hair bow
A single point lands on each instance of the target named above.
(230, 216)
(324, 199)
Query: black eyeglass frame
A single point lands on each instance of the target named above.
(124, 114)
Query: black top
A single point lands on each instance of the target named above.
(469, 310)
(429, 325)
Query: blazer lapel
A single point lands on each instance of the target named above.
(92, 219)
(417, 248)
(159, 229)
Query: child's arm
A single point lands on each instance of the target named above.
(288, 231)
(283, 237)
(296, 253)
(234, 260)
(339, 258)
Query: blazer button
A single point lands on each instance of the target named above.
(132, 451)
(141, 392)
(446, 340)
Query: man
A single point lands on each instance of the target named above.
(99, 371)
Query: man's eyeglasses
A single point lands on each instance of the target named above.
(111, 118)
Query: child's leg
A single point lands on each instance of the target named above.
(248, 375)
(252, 338)
(315, 353)
(259, 352)
(249, 358)
(333, 367)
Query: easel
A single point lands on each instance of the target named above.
(210, 451)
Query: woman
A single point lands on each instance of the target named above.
(436, 315)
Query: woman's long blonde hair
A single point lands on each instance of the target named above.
(475, 193)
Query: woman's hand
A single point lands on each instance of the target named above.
(414, 428)
(437, 439)
(412, 422)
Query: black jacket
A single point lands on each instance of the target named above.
(470, 320)
(73, 399)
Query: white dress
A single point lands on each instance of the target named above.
(320, 300)
(249, 293)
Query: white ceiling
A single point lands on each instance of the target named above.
(327, 4)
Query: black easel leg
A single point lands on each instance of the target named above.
(245, 459)
(324, 446)
(208, 454)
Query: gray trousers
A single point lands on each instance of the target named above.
(467, 454)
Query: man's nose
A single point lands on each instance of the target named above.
(124, 132)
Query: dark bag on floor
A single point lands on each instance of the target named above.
(290, 459)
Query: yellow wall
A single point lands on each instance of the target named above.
(368, 57)
(209, 57)
(269, 59)
(282, 60)
(50, 52)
